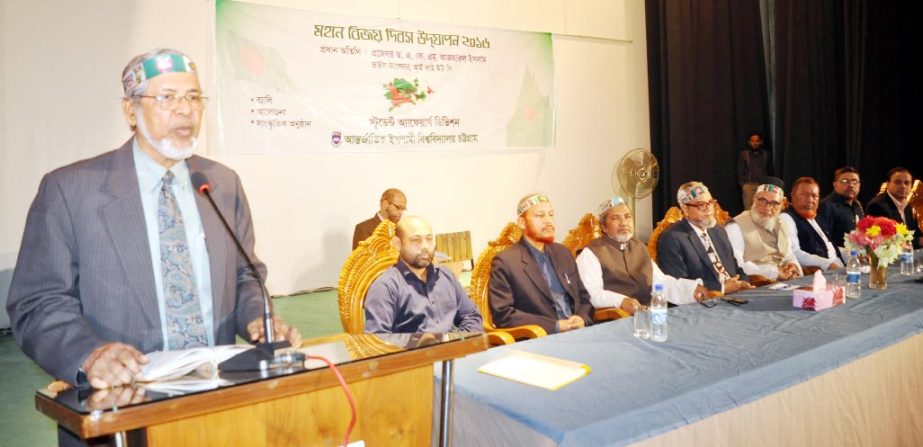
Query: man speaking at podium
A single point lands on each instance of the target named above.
(122, 256)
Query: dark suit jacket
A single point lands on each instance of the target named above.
(519, 294)
(680, 254)
(882, 206)
(84, 275)
(365, 229)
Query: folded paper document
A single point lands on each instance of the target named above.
(169, 365)
(536, 370)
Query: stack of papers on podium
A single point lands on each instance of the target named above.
(537, 370)
(171, 365)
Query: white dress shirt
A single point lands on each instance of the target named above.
(678, 290)
(805, 258)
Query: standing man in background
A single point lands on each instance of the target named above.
(752, 167)
(392, 205)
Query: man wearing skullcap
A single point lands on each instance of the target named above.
(760, 241)
(696, 247)
(618, 271)
(122, 256)
(535, 281)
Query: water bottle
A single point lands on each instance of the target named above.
(659, 314)
(907, 261)
(853, 276)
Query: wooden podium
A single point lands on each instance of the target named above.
(392, 386)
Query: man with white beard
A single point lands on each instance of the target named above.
(535, 281)
(121, 256)
(618, 271)
(696, 247)
(761, 242)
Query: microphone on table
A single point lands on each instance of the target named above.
(263, 356)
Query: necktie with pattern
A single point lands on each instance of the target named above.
(185, 325)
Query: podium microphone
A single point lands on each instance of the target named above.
(263, 356)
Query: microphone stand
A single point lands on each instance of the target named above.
(263, 356)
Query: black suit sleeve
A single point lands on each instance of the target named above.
(670, 255)
(503, 304)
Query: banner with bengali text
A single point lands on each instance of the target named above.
(295, 81)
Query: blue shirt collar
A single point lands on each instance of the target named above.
(150, 172)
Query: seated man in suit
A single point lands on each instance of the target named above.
(894, 203)
(414, 295)
(811, 246)
(535, 281)
(618, 271)
(760, 242)
(392, 205)
(696, 247)
(839, 212)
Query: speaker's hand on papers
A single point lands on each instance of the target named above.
(113, 364)
(281, 330)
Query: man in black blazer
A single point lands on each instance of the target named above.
(697, 248)
(894, 203)
(535, 281)
(391, 206)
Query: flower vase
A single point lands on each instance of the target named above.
(878, 275)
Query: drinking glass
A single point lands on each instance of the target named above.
(641, 323)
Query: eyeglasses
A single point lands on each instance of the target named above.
(849, 181)
(399, 207)
(765, 202)
(703, 205)
(171, 102)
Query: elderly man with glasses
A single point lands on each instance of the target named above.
(696, 247)
(122, 256)
(392, 205)
(760, 241)
(839, 212)
(617, 270)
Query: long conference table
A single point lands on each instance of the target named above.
(764, 373)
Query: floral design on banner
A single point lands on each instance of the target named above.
(400, 92)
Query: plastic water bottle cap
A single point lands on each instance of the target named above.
(853, 253)
(658, 287)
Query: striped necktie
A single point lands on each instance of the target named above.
(185, 325)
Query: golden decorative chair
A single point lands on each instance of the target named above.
(363, 266)
(480, 280)
(577, 239)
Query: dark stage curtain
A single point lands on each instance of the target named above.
(707, 92)
(847, 90)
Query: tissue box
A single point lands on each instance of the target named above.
(809, 299)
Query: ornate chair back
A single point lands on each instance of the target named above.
(363, 266)
(585, 231)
